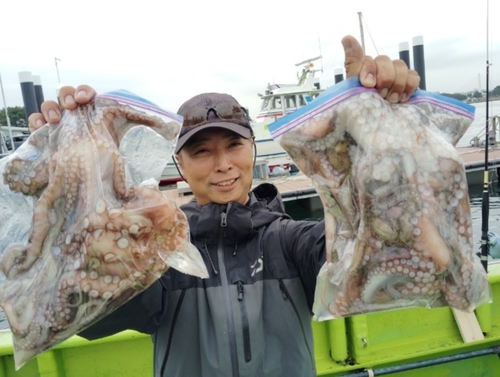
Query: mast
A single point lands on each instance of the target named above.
(360, 17)
(7, 117)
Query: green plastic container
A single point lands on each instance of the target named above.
(366, 345)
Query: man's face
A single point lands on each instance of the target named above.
(218, 165)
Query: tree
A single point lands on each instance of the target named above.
(477, 94)
(17, 117)
(496, 91)
(459, 96)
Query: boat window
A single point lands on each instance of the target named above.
(276, 103)
(265, 104)
(302, 101)
(290, 101)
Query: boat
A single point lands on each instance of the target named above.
(277, 101)
(404, 342)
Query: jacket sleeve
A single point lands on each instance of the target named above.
(304, 242)
(142, 313)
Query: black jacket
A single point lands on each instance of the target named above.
(252, 316)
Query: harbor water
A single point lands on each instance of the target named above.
(301, 210)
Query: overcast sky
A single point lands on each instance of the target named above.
(167, 51)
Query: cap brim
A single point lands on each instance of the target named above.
(237, 128)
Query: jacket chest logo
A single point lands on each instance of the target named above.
(257, 267)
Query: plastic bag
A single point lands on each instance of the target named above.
(83, 227)
(395, 197)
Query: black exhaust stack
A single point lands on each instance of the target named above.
(28, 91)
(38, 92)
(404, 53)
(418, 59)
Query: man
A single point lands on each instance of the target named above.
(252, 316)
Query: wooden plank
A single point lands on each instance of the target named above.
(468, 326)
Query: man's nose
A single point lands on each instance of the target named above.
(222, 161)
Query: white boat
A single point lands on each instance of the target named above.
(277, 101)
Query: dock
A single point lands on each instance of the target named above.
(473, 158)
(299, 186)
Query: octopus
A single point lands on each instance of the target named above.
(94, 243)
(395, 196)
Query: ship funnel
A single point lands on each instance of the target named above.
(28, 92)
(37, 83)
(404, 53)
(418, 59)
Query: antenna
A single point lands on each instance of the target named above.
(57, 69)
(320, 54)
(307, 61)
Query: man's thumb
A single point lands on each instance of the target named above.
(354, 55)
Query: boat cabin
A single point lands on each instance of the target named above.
(282, 99)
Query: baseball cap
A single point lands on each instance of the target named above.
(211, 110)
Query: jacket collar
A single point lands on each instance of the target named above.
(242, 221)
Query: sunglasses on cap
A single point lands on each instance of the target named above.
(222, 112)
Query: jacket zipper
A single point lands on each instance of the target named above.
(227, 297)
(172, 329)
(287, 296)
(244, 318)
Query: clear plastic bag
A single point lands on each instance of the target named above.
(395, 197)
(83, 227)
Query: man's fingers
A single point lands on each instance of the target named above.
(35, 121)
(70, 97)
(84, 94)
(368, 72)
(51, 111)
(412, 83)
(67, 97)
(395, 82)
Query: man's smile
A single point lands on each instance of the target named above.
(229, 182)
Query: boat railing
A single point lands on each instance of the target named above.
(493, 134)
(4, 151)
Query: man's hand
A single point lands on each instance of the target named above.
(69, 99)
(392, 78)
